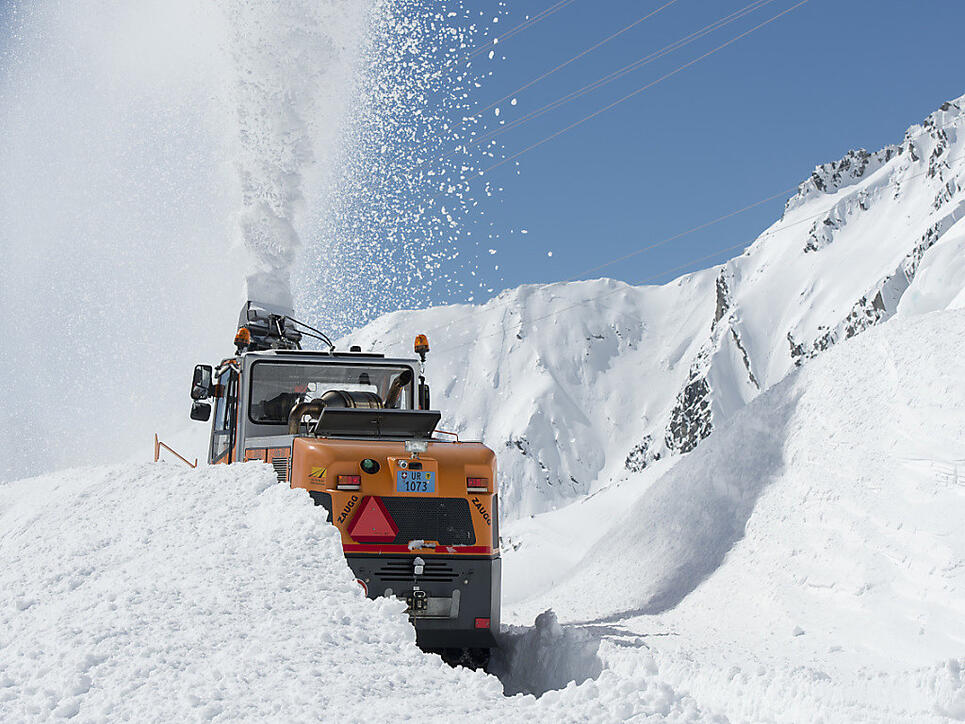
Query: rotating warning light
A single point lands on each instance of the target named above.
(243, 338)
(373, 523)
(421, 344)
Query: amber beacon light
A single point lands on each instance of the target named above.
(243, 338)
(421, 344)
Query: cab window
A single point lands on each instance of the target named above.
(276, 387)
(225, 411)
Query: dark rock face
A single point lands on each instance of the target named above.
(523, 446)
(723, 297)
(690, 421)
(878, 304)
(829, 177)
(820, 235)
(864, 314)
(747, 362)
(641, 455)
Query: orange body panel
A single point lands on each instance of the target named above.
(317, 463)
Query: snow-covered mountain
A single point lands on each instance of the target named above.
(578, 384)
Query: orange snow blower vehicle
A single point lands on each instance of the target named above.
(417, 513)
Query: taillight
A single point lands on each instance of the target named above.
(482, 623)
(477, 485)
(348, 482)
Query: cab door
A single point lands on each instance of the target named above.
(223, 427)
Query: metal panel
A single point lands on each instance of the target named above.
(280, 464)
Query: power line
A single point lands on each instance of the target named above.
(721, 22)
(576, 57)
(615, 75)
(529, 22)
(748, 8)
(643, 88)
(692, 230)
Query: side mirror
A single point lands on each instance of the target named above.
(201, 411)
(201, 383)
(424, 403)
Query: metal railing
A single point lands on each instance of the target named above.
(157, 453)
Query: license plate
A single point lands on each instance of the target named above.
(415, 481)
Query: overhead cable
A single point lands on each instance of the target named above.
(529, 22)
(630, 95)
(615, 75)
(562, 65)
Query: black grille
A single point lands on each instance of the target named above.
(402, 570)
(446, 520)
(281, 469)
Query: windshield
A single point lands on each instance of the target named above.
(276, 387)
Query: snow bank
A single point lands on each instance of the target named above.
(159, 593)
(940, 281)
(810, 551)
(868, 440)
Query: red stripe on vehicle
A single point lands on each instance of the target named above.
(362, 548)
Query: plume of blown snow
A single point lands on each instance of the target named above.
(393, 228)
(115, 200)
(294, 66)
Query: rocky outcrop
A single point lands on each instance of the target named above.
(881, 302)
(641, 455)
(828, 178)
(690, 420)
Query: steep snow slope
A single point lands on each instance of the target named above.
(579, 384)
(940, 281)
(810, 551)
(556, 377)
(158, 593)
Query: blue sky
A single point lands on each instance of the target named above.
(741, 125)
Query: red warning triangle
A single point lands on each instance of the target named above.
(373, 524)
